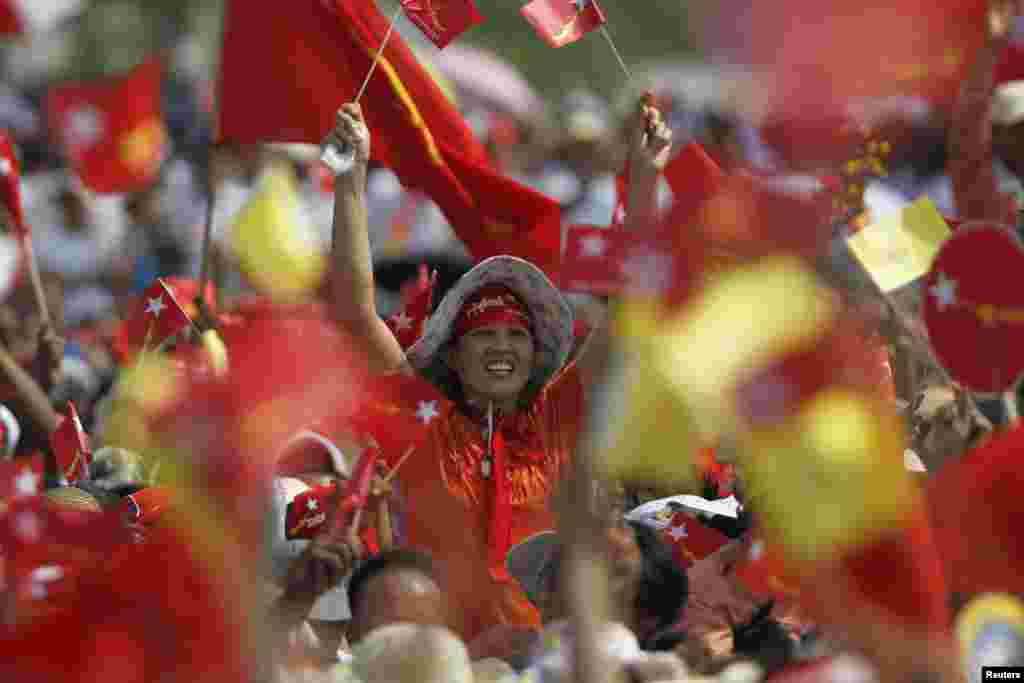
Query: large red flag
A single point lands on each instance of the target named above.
(112, 132)
(561, 22)
(273, 91)
(442, 21)
(286, 68)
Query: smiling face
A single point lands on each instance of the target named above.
(493, 363)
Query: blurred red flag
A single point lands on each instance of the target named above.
(397, 411)
(761, 570)
(70, 446)
(417, 132)
(693, 177)
(807, 54)
(21, 477)
(608, 261)
(497, 215)
(977, 515)
(10, 185)
(112, 132)
(561, 22)
(442, 21)
(156, 316)
(417, 300)
(691, 539)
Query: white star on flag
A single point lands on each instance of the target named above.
(944, 292)
(426, 411)
(155, 306)
(28, 526)
(311, 505)
(593, 246)
(402, 321)
(26, 483)
(678, 532)
(6, 167)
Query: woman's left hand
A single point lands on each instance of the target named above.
(651, 141)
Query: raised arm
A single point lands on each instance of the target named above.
(649, 149)
(352, 301)
(975, 188)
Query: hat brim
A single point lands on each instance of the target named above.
(550, 313)
(528, 560)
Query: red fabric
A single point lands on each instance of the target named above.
(694, 177)
(21, 477)
(356, 491)
(608, 261)
(1011, 66)
(691, 540)
(147, 506)
(494, 215)
(562, 22)
(499, 540)
(287, 67)
(442, 21)
(901, 572)
(417, 300)
(10, 184)
(985, 314)
(156, 316)
(11, 23)
(808, 55)
(112, 132)
(70, 446)
(977, 513)
(762, 571)
(417, 132)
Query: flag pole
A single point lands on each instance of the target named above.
(618, 55)
(380, 51)
(36, 279)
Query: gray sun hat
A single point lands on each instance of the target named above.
(550, 313)
(532, 563)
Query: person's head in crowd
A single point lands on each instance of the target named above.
(1008, 126)
(395, 586)
(648, 587)
(764, 640)
(412, 653)
(145, 206)
(944, 425)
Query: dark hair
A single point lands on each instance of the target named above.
(399, 558)
(764, 640)
(664, 585)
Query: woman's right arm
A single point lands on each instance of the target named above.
(352, 301)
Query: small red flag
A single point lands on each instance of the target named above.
(112, 132)
(307, 513)
(21, 477)
(691, 539)
(397, 411)
(606, 261)
(442, 21)
(561, 22)
(157, 315)
(417, 299)
(10, 185)
(70, 446)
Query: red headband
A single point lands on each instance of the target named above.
(491, 305)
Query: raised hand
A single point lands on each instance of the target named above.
(651, 140)
(350, 133)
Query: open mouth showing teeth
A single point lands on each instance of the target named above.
(500, 368)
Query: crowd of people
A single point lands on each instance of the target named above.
(239, 497)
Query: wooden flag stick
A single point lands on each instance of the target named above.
(36, 279)
(394, 470)
(618, 55)
(380, 51)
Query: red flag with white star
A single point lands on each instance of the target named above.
(156, 316)
(70, 446)
(691, 539)
(21, 477)
(10, 185)
(606, 261)
(112, 132)
(307, 513)
(397, 411)
(561, 22)
(442, 21)
(417, 300)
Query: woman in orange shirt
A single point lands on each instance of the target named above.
(500, 347)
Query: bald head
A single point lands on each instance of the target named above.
(395, 587)
(409, 652)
